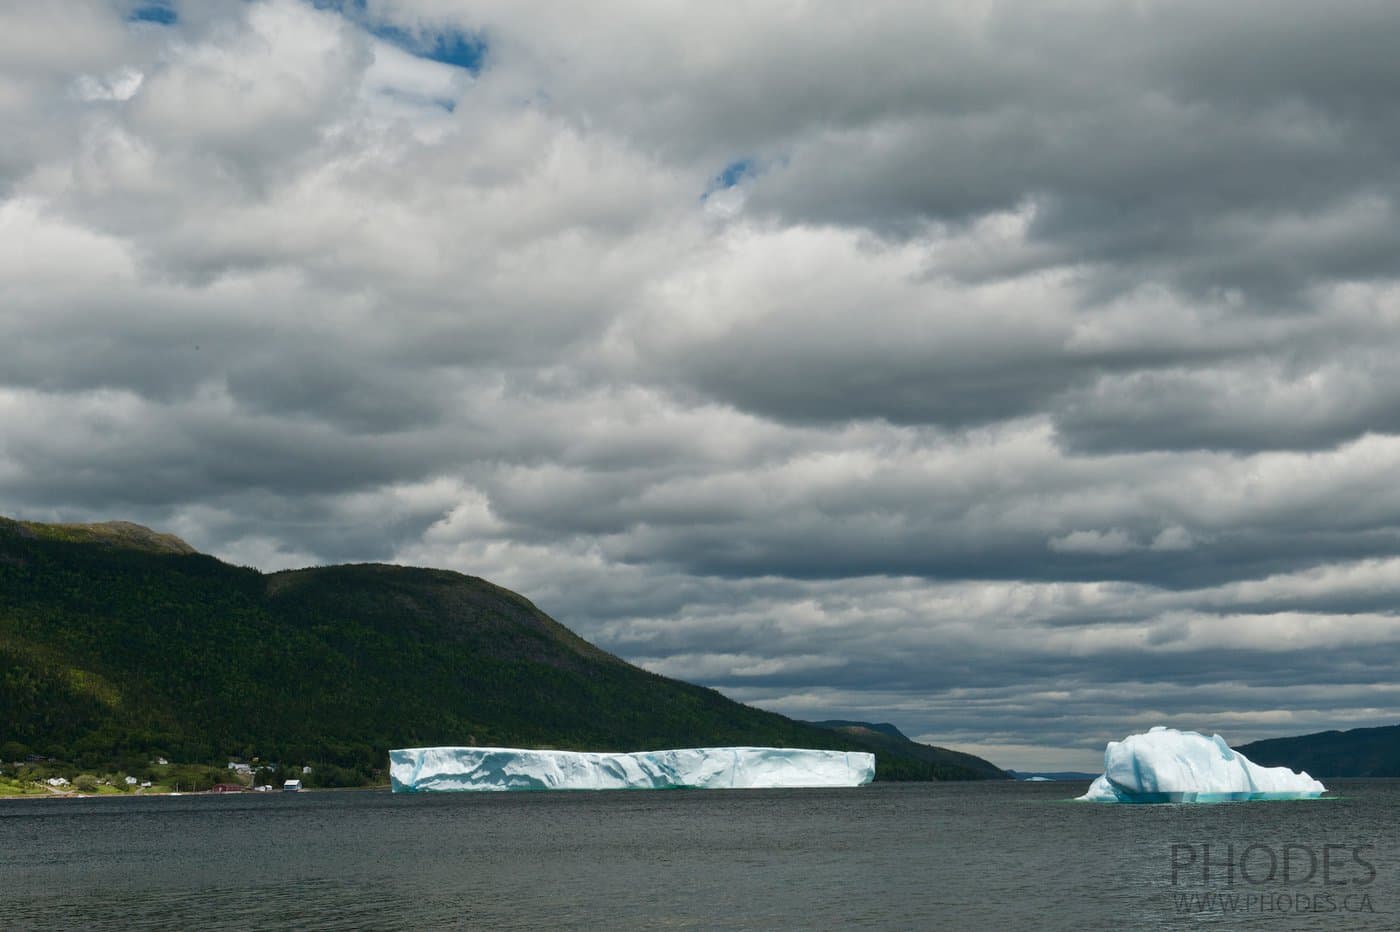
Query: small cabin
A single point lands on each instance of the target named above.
(292, 786)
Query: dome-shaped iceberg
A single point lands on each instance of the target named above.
(1169, 766)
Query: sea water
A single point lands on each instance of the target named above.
(948, 855)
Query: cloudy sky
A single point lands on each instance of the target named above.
(1023, 374)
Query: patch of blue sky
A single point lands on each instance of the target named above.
(733, 173)
(355, 9)
(459, 48)
(731, 176)
(160, 12)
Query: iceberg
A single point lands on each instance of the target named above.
(419, 770)
(1169, 766)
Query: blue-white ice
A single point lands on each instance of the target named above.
(1166, 765)
(415, 770)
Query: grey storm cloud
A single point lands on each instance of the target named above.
(974, 366)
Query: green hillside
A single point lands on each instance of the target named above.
(117, 643)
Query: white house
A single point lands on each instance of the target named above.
(292, 786)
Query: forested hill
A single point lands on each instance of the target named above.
(118, 643)
(1360, 752)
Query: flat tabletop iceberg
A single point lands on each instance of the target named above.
(1166, 765)
(416, 770)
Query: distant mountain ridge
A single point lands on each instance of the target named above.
(944, 762)
(118, 643)
(1054, 775)
(884, 728)
(1358, 752)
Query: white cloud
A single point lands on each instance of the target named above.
(1111, 541)
(119, 85)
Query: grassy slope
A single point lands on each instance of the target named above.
(116, 642)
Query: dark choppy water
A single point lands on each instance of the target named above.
(965, 856)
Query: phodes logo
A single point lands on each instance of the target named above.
(1327, 878)
(1332, 864)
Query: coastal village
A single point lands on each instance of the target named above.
(39, 776)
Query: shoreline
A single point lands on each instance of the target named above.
(139, 795)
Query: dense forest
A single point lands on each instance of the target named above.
(118, 644)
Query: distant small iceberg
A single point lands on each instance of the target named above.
(419, 770)
(1169, 766)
